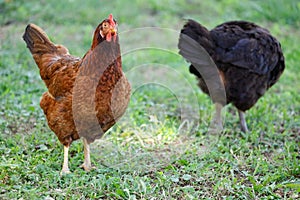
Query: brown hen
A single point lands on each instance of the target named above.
(85, 95)
(248, 61)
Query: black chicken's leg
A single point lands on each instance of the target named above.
(243, 123)
(216, 125)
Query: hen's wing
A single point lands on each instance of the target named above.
(99, 73)
(57, 67)
(248, 46)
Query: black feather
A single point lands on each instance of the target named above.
(246, 56)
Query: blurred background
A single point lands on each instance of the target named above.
(148, 138)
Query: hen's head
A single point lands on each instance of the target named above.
(106, 30)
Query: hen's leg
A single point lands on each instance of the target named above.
(87, 161)
(65, 167)
(243, 121)
(216, 125)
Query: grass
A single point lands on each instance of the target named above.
(155, 151)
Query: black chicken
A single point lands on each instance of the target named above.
(248, 61)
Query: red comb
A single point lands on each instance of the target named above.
(111, 20)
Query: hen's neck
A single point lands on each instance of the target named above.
(100, 57)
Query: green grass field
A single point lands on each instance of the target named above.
(159, 149)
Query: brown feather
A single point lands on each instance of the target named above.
(79, 90)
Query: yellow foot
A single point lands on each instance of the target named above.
(64, 172)
(215, 128)
(87, 167)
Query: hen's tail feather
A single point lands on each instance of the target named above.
(37, 40)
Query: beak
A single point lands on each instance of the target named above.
(113, 31)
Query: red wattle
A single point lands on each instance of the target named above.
(108, 37)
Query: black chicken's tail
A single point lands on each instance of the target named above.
(37, 40)
(200, 34)
(196, 46)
